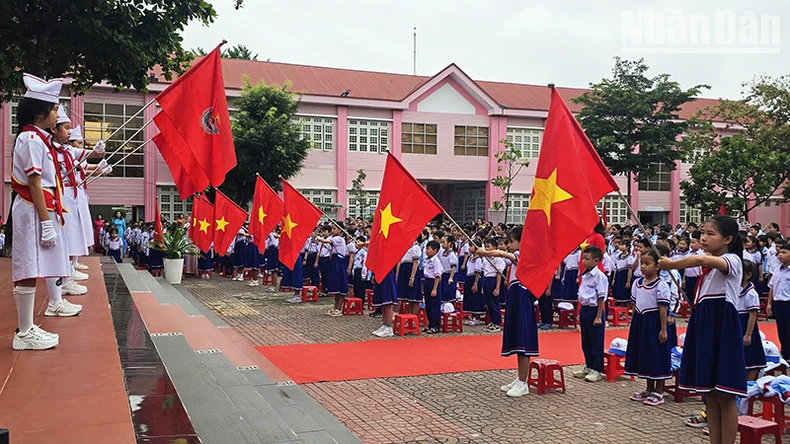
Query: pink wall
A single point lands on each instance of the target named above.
(395, 133)
(149, 162)
(480, 110)
(341, 148)
(318, 171)
(117, 191)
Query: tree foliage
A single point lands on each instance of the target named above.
(267, 141)
(745, 170)
(631, 110)
(95, 40)
(510, 161)
(234, 52)
(358, 192)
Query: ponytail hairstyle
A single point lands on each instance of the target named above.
(728, 227)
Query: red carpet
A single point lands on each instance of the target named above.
(306, 363)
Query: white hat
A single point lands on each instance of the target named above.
(76, 133)
(62, 116)
(565, 306)
(447, 307)
(618, 346)
(771, 352)
(40, 89)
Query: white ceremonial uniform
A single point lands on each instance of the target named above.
(31, 260)
(73, 227)
(83, 202)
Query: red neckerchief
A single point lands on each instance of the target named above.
(58, 179)
(698, 287)
(68, 159)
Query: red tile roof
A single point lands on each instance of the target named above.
(323, 81)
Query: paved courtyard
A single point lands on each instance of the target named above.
(449, 408)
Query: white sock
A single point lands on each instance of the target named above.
(25, 298)
(74, 262)
(521, 383)
(54, 291)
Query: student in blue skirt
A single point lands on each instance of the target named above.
(432, 277)
(449, 261)
(647, 355)
(310, 262)
(520, 337)
(691, 274)
(623, 260)
(748, 306)
(206, 263)
(293, 279)
(503, 287)
(713, 359)
(336, 276)
(251, 263)
(493, 269)
(239, 255)
(384, 296)
(359, 272)
(408, 278)
(474, 303)
(324, 257)
(570, 287)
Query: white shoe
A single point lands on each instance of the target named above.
(335, 313)
(581, 373)
(44, 332)
(507, 387)
(295, 299)
(387, 332)
(80, 267)
(594, 376)
(379, 331)
(63, 308)
(519, 389)
(254, 283)
(34, 339)
(79, 276)
(72, 288)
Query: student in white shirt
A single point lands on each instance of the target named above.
(779, 298)
(432, 272)
(593, 290)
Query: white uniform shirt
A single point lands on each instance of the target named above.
(338, 244)
(413, 253)
(771, 260)
(474, 265)
(638, 270)
(115, 244)
(594, 286)
(674, 294)
(677, 254)
(351, 247)
(448, 259)
(511, 275)
(748, 300)
(274, 241)
(431, 266)
(608, 263)
(325, 250)
(780, 283)
(359, 258)
(723, 285)
(756, 257)
(571, 261)
(31, 156)
(647, 297)
(492, 266)
(694, 271)
(623, 262)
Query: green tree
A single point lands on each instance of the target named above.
(95, 40)
(234, 52)
(358, 192)
(267, 141)
(631, 110)
(510, 161)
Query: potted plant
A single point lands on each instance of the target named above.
(174, 245)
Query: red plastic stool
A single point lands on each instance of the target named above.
(459, 307)
(684, 311)
(369, 298)
(537, 315)
(451, 322)
(678, 394)
(423, 317)
(309, 293)
(403, 307)
(613, 366)
(268, 279)
(545, 378)
(773, 410)
(753, 429)
(617, 314)
(352, 306)
(567, 318)
(406, 323)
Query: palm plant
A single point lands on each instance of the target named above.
(174, 244)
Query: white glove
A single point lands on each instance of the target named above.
(107, 170)
(99, 148)
(48, 235)
(103, 165)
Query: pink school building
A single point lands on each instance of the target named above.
(446, 129)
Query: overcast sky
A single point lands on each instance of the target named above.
(568, 42)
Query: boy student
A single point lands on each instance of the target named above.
(593, 290)
(779, 298)
(432, 272)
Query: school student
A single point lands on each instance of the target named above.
(336, 283)
(474, 302)
(385, 297)
(493, 269)
(449, 261)
(432, 276)
(114, 246)
(76, 141)
(691, 275)
(408, 281)
(570, 287)
(324, 257)
(623, 260)
(748, 306)
(359, 277)
(648, 352)
(593, 290)
(779, 298)
(713, 357)
(293, 278)
(205, 263)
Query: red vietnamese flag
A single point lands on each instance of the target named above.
(267, 212)
(186, 184)
(723, 209)
(203, 233)
(404, 208)
(570, 180)
(228, 219)
(157, 223)
(299, 219)
(199, 129)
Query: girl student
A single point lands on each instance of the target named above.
(474, 303)
(462, 248)
(502, 246)
(691, 275)
(449, 261)
(623, 260)
(76, 141)
(324, 257)
(205, 263)
(521, 329)
(748, 306)
(713, 355)
(493, 267)
(114, 246)
(409, 277)
(251, 261)
(640, 246)
(570, 286)
(384, 296)
(293, 278)
(359, 272)
(751, 252)
(336, 283)
(273, 251)
(239, 254)
(647, 355)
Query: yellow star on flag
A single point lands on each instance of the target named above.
(204, 224)
(584, 245)
(546, 193)
(387, 219)
(288, 225)
(222, 223)
(261, 215)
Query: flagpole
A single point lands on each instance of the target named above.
(92, 177)
(466, 235)
(652, 245)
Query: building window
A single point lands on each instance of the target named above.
(368, 136)
(323, 199)
(170, 204)
(616, 210)
(320, 131)
(365, 207)
(519, 205)
(471, 141)
(660, 180)
(688, 214)
(101, 119)
(418, 138)
(526, 140)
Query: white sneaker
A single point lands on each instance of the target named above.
(520, 389)
(80, 267)
(254, 283)
(594, 376)
(335, 313)
(295, 299)
(379, 331)
(581, 373)
(34, 339)
(44, 332)
(63, 309)
(79, 276)
(72, 288)
(507, 387)
(387, 332)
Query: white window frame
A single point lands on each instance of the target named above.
(518, 205)
(368, 136)
(170, 203)
(320, 131)
(324, 199)
(527, 140)
(688, 214)
(654, 182)
(372, 201)
(461, 141)
(94, 131)
(616, 210)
